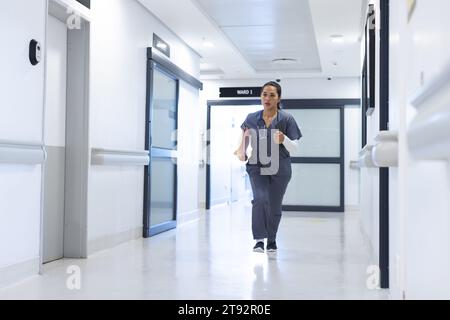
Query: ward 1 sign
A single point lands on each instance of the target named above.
(246, 92)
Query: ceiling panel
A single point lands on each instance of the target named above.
(248, 34)
(264, 30)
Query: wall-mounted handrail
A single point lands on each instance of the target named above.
(19, 152)
(365, 157)
(385, 151)
(113, 157)
(429, 132)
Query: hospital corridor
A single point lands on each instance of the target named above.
(208, 258)
(224, 150)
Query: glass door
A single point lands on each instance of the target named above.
(318, 166)
(160, 197)
(227, 179)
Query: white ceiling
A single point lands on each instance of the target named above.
(268, 30)
(249, 34)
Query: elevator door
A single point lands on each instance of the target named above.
(55, 134)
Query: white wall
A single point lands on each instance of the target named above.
(121, 31)
(21, 117)
(419, 219)
(189, 144)
(369, 192)
(352, 148)
(397, 176)
(21, 83)
(426, 213)
(338, 88)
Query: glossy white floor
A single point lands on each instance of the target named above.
(321, 256)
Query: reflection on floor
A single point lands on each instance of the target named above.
(321, 256)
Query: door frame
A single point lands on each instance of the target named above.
(366, 106)
(384, 126)
(156, 62)
(77, 163)
(150, 230)
(287, 104)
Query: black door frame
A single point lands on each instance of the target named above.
(364, 102)
(368, 72)
(368, 104)
(155, 62)
(150, 230)
(291, 104)
(384, 126)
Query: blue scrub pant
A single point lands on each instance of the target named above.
(268, 193)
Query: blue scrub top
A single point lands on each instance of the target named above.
(284, 122)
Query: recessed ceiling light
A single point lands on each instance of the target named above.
(284, 61)
(337, 38)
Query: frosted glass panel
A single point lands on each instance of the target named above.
(221, 152)
(229, 181)
(321, 129)
(162, 191)
(164, 119)
(314, 185)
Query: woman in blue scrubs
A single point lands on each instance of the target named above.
(273, 135)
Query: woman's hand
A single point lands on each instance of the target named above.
(241, 151)
(279, 137)
(241, 156)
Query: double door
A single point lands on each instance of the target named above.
(318, 167)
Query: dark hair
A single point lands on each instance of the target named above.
(276, 86)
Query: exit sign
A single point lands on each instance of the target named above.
(245, 92)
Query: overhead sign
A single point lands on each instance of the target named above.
(244, 92)
(160, 45)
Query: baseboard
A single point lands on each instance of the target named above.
(220, 201)
(188, 217)
(18, 272)
(113, 240)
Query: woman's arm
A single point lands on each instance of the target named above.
(291, 145)
(241, 151)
